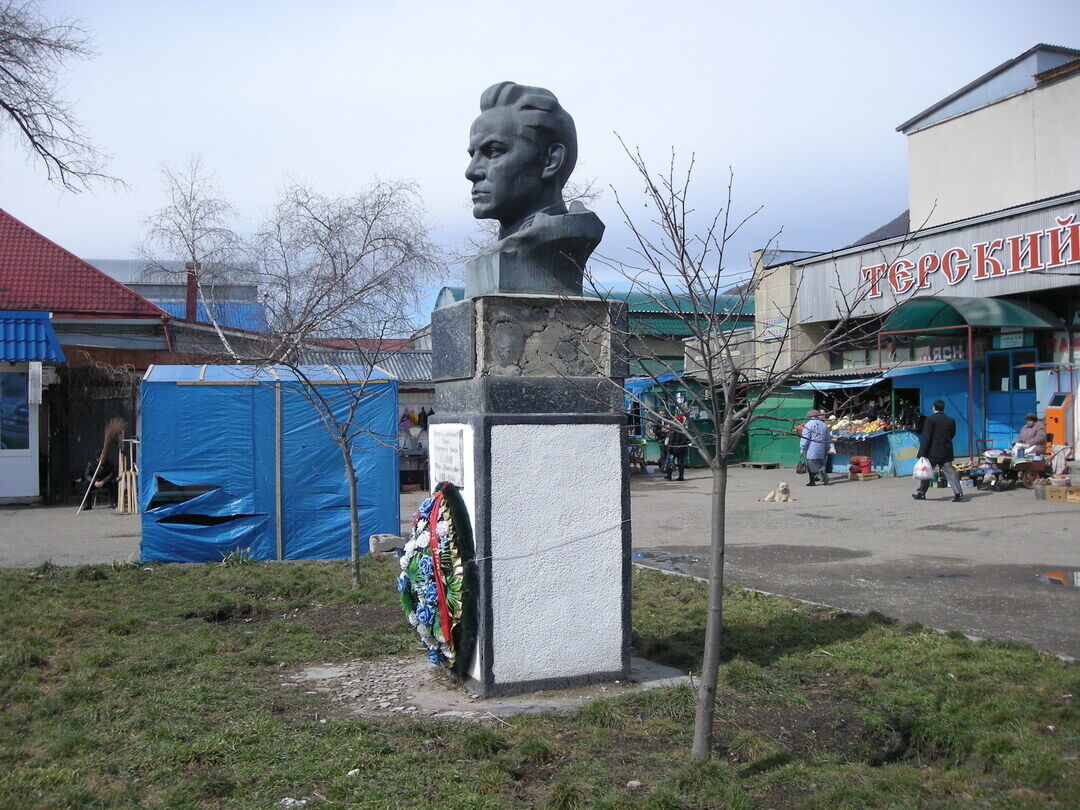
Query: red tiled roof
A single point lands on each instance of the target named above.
(38, 274)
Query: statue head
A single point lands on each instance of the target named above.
(523, 148)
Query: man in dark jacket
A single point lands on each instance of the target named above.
(936, 445)
(678, 443)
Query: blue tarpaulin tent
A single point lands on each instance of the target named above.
(237, 458)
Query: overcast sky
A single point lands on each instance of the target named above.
(801, 99)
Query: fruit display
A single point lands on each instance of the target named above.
(854, 428)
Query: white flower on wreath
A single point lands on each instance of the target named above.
(442, 528)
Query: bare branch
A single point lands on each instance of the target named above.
(34, 50)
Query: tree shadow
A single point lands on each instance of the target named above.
(794, 632)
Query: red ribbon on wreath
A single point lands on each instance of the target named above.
(440, 588)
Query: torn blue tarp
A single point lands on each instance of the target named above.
(225, 450)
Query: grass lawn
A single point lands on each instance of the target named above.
(160, 686)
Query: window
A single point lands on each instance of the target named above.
(1023, 379)
(998, 372)
(14, 411)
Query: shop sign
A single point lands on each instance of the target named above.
(1010, 340)
(1035, 251)
(1030, 249)
(772, 329)
(942, 354)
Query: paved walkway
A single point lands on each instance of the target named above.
(864, 546)
(31, 535)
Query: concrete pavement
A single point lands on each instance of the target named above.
(31, 535)
(864, 546)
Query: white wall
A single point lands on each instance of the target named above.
(1015, 151)
(556, 536)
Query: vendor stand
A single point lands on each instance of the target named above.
(998, 468)
(890, 450)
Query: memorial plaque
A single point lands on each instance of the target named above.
(448, 457)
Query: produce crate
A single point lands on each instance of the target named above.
(1063, 494)
(862, 476)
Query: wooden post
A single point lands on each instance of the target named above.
(277, 469)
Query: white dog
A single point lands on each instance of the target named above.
(782, 494)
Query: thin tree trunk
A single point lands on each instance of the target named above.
(710, 665)
(354, 519)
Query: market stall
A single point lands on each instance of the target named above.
(872, 446)
(666, 393)
(873, 424)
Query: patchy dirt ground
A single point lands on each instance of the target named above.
(409, 685)
(317, 617)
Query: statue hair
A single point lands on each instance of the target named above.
(541, 112)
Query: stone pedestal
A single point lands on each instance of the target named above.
(525, 426)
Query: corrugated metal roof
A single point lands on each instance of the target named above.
(229, 314)
(37, 274)
(671, 325)
(409, 366)
(28, 337)
(265, 374)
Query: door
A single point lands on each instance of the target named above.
(1010, 394)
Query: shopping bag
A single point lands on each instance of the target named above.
(924, 470)
(800, 468)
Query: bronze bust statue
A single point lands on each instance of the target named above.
(523, 148)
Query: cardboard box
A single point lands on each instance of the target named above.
(1056, 494)
(1072, 494)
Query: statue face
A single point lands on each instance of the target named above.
(507, 169)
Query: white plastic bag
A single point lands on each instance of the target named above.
(924, 470)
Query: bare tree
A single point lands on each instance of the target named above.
(340, 275)
(34, 49)
(337, 276)
(681, 269)
(196, 225)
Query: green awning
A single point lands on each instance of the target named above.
(936, 312)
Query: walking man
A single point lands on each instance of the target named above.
(678, 443)
(814, 446)
(935, 444)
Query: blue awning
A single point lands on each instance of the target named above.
(904, 371)
(28, 337)
(635, 385)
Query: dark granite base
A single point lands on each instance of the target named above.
(555, 395)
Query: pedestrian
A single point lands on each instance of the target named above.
(935, 445)
(659, 433)
(678, 443)
(814, 447)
